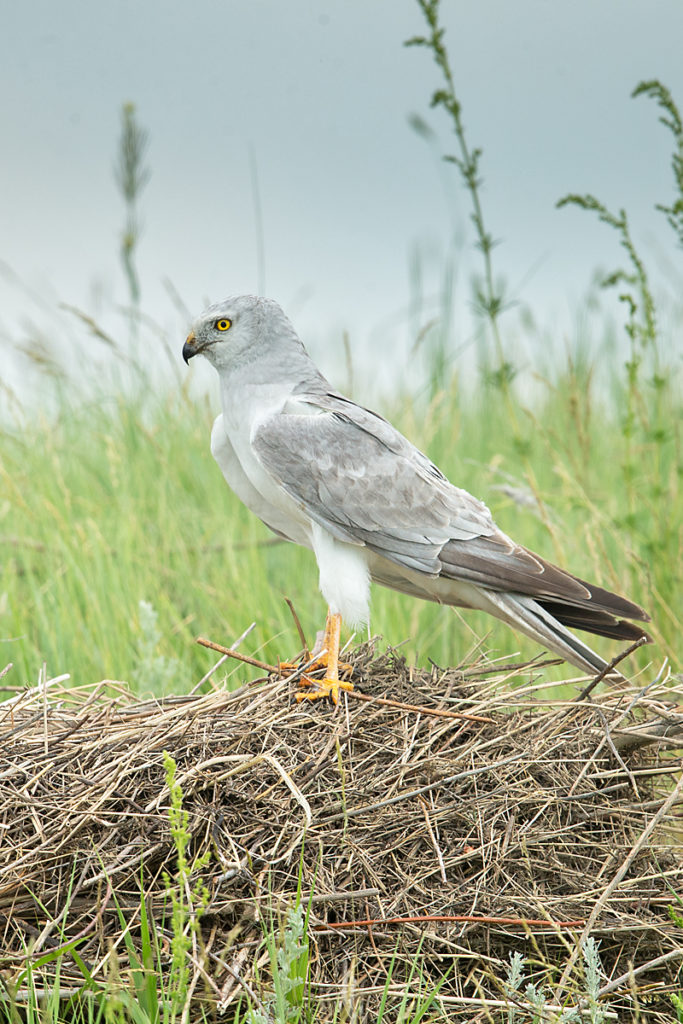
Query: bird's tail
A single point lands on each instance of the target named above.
(538, 622)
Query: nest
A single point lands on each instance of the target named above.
(429, 836)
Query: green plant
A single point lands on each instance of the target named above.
(35, 995)
(288, 955)
(489, 300)
(533, 1004)
(677, 1003)
(651, 465)
(153, 672)
(671, 119)
(161, 992)
(676, 916)
(641, 329)
(593, 973)
(131, 176)
(418, 996)
(188, 899)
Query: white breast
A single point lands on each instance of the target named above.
(344, 575)
(249, 484)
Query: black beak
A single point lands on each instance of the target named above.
(189, 348)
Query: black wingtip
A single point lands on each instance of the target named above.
(595, 620)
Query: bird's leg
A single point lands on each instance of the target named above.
(328, 659)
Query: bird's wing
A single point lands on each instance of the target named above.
(356, 476)
(360, 479)
(363, 481)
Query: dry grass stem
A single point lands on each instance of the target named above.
(457, 815)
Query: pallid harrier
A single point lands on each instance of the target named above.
(326, 473)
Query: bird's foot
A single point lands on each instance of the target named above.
(327, 659)
(329, 686)
(313, 687)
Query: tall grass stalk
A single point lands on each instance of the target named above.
(651, 465)
(131, 176)
(189, 897)
(671, 119)
(489, 300)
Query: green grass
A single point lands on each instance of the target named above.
(116, 521)
(120, 501)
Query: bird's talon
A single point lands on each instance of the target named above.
(285, 668)
(323, 688)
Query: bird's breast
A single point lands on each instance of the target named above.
(253, 484)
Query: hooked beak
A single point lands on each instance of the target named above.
(190, 347)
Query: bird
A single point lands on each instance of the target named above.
(326, 473)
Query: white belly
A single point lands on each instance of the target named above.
(344, 576)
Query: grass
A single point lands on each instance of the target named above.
(119, 502)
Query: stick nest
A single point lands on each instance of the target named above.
(537, 823)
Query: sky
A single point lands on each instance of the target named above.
(312, 101)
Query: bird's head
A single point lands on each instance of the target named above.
(235, 330)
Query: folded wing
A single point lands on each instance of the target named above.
(360, 479)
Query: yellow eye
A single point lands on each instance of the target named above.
(223, 325)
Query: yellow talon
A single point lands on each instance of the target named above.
(328, 659)
(323, 688)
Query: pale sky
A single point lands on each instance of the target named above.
(320, 93)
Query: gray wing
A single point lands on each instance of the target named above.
(365, 483)
(360, 479)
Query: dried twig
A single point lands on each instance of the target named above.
(435, 712)
(518, 922)
(299, 628)
(231, 653)
(616, 660)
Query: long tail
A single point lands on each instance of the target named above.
(545, 623)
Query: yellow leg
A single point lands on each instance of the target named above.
(329, 660)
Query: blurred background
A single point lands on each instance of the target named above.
(281, 159)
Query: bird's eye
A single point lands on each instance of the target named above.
(223, 325)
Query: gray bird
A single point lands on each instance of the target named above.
(326, 473)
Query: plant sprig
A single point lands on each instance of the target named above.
(131, 176)
(489, 298)
(671, 120)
